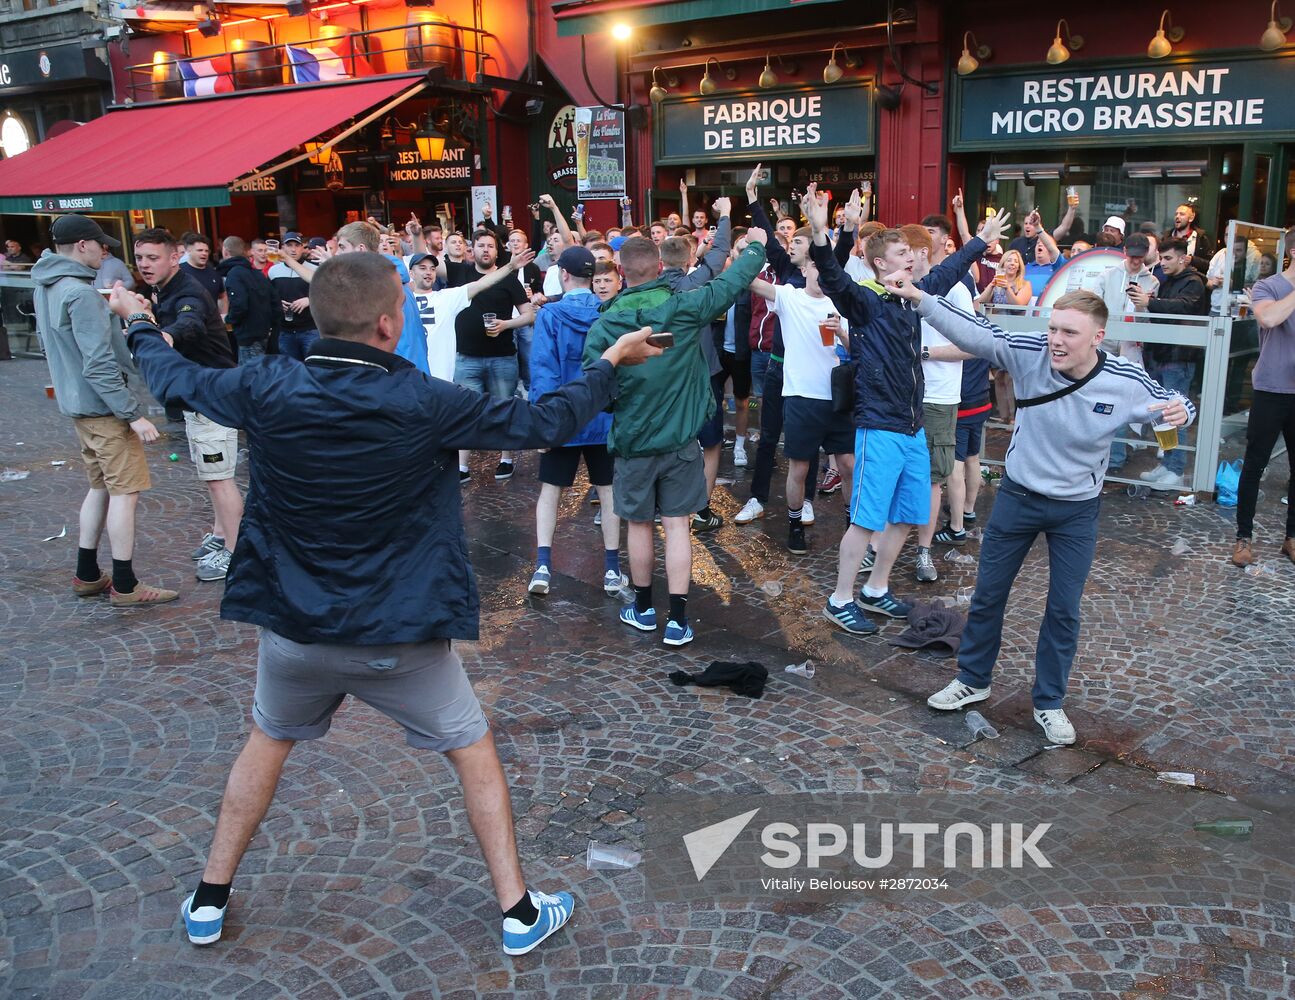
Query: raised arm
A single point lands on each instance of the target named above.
(852, 300)
(960, 217)
(1063, 227)
(764, 289)
(949, 271)
(218, 393)
(546, 201)
(854, 213)
(1015, 353)
(684, 217)
(499, 274)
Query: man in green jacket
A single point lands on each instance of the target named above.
(658, 410)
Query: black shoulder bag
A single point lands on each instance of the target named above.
(1066, 390)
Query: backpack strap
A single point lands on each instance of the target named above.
(1067, 389)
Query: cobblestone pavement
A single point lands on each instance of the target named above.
(117, 730)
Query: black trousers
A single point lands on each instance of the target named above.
(1272, 415)
(770, 431)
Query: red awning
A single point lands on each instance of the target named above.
(178, 155)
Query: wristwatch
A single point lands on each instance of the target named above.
(926, 354)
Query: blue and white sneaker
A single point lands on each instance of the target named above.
(869, 557)
(645, 622)
(613, 581)
(203, 927)
(887, 604)
(676, 634)
(540, 581)
(555, 910)
(850, 618)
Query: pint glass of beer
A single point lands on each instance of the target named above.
(272, 251)
(1166, 435)
(827, 330)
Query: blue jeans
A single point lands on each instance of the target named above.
(297, 343)
(495, 377)
(1176, 376)
(523, 335)
(759, 365)
(1018, 517)
(250, 352)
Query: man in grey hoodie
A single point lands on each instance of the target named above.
(1073, 398)
(88, 362)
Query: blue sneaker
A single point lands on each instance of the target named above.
(540, 581)
(869, 557)
(850, 618)
(676, 634)
(645, 622)
(203, 927)
(887, 604)
(555, 910)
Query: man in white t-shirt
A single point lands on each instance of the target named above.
(811, 330)
(942, 390)
(438, 309)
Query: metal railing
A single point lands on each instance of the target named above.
(355, 55)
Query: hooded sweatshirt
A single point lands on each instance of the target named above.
(87, 355)
(557, 355)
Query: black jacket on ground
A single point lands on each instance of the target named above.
(254, 310)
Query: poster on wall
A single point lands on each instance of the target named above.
(600, 152)
(561, 145)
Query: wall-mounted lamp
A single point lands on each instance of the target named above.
(1160, 45)
(1058, 52)
(621, 31)
(319, 153)
(658, 93)
(768, 78)
(968, 63)
(708, 84)
(430, 143)
(833, 72)
(1274, 36)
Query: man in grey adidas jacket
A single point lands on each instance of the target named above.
(1053, 484)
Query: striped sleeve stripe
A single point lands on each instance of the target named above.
(1016, 341)
(1126, 369)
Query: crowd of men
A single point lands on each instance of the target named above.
(398, 351)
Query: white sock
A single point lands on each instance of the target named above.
(837, 604)
(871, 591)
(463, 468)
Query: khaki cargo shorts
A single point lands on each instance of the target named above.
(113, 455)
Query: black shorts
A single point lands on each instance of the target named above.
(712, 431)
(739, 372)
(810, 424)
(558, 465)
(968, 436)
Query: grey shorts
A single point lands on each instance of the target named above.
(421, 685)
(672, 485)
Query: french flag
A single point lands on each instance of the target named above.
(322, 64)
(207, 76)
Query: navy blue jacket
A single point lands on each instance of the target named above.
(254, 310)
(886, 338)
(556, 352)
(352, 531)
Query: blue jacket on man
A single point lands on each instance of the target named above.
(886, 338)
(556, 353)
(352, 531)
(253, 310)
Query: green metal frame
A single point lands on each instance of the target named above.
(668, 13)
(118, 201)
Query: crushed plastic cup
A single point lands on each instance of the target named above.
(1259, 569)
(1180, 547)
(962, 598)
(13, 475)
(626, 594)
(805, 669)
(1186, 500)
(954, 556)
(771, 587)
(1186, 778)
(606, 857)
(980, 727)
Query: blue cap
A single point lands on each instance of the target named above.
(616, 242)
(418, 258)
(291, 237)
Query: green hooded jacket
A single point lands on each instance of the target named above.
(661, 404)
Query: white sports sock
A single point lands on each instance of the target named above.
(872, 591)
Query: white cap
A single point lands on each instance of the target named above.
(1115, 222)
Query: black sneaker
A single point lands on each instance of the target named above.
(796, 539)
(969, 517)
(947, 536)
(464, 476)
(706, 520)
(504, 470)
(869, 557)
(887, 604)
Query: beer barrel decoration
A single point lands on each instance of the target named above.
(433, 39)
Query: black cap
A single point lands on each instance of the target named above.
(316, 242)
(577, 262)
(68, 229)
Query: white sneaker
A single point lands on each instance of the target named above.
(753, 509)
(955, 694)
(1167, 481)
(739, 453)
(1056, 727)
(807, 514)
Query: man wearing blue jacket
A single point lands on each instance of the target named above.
(559, 343)
(892, 470)
(352, 558)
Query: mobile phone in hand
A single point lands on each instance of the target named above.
(661, 339)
